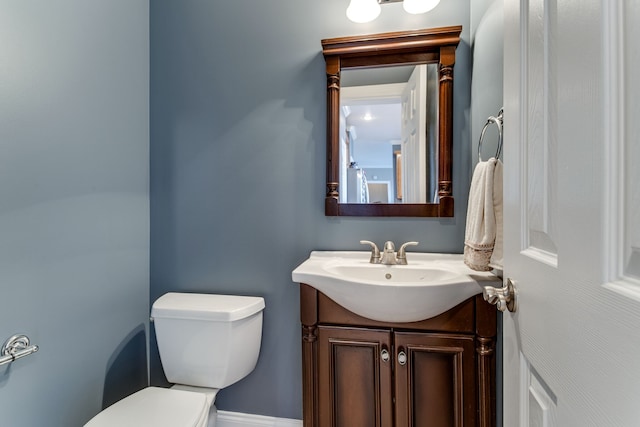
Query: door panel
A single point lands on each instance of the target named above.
(571, 154)
(414, 137)
(354, 381)
(539, 177)
(539, 409)
(435, 387)
(630, 150)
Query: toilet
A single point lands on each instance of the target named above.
(206, 342)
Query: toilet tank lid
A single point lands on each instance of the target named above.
(223, 308)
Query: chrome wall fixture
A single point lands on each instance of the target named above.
(498, 122)
(362, 11)
(16, 347)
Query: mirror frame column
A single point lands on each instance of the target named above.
(333, 135)
(445, 118)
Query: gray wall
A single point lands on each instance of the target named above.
(238, 94)
(74, 205)
(486, 86)
(487, 100)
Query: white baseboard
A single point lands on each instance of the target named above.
(237, 419)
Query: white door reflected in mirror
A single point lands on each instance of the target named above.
(388, 134)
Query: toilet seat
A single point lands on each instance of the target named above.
(156, 407)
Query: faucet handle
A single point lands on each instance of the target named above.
(375, 252)
(402, 252)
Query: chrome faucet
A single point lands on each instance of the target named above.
(389, 256)
(388, 253)
(375, 252)
(402, 253)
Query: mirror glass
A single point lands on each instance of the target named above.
(389, 134)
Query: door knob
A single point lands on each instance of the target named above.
(504, 298)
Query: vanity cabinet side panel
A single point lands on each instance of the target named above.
(354, 379)
(486, 336)
(309, 320)
(435, 387)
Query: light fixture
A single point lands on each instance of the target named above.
(362, 11)
(419, 6)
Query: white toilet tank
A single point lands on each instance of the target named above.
(207, 340)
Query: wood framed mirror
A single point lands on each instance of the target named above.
(420, 182)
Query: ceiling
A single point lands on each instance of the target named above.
(376, 122)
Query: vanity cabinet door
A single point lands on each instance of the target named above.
(435, 380)
(354, 377)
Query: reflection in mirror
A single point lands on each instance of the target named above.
(389, 138)
(389, 134)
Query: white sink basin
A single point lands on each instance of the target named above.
(429, 285)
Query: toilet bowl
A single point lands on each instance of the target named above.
(206, 342)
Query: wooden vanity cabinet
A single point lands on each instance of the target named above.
(358, 372)
(358, 379)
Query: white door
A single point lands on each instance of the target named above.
(414, 137)
(572, 212)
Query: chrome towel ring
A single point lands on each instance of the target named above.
(498, 122)
(16, 347)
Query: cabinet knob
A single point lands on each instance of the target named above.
(384, 355)
(402, 358)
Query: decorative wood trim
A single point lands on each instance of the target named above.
(446, 207)
(445, 131)
(459, 319)
(394, 48)
(392, 42)
(309, 319)
(486, 318)
(457, 409)
(350, 356)
(486, 382)
(308, 305)
(309, 375)
(486, 331)
(333, 132)
(332, 190)
(382, 209)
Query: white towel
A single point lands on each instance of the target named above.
(496, 256)
(484, 217)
